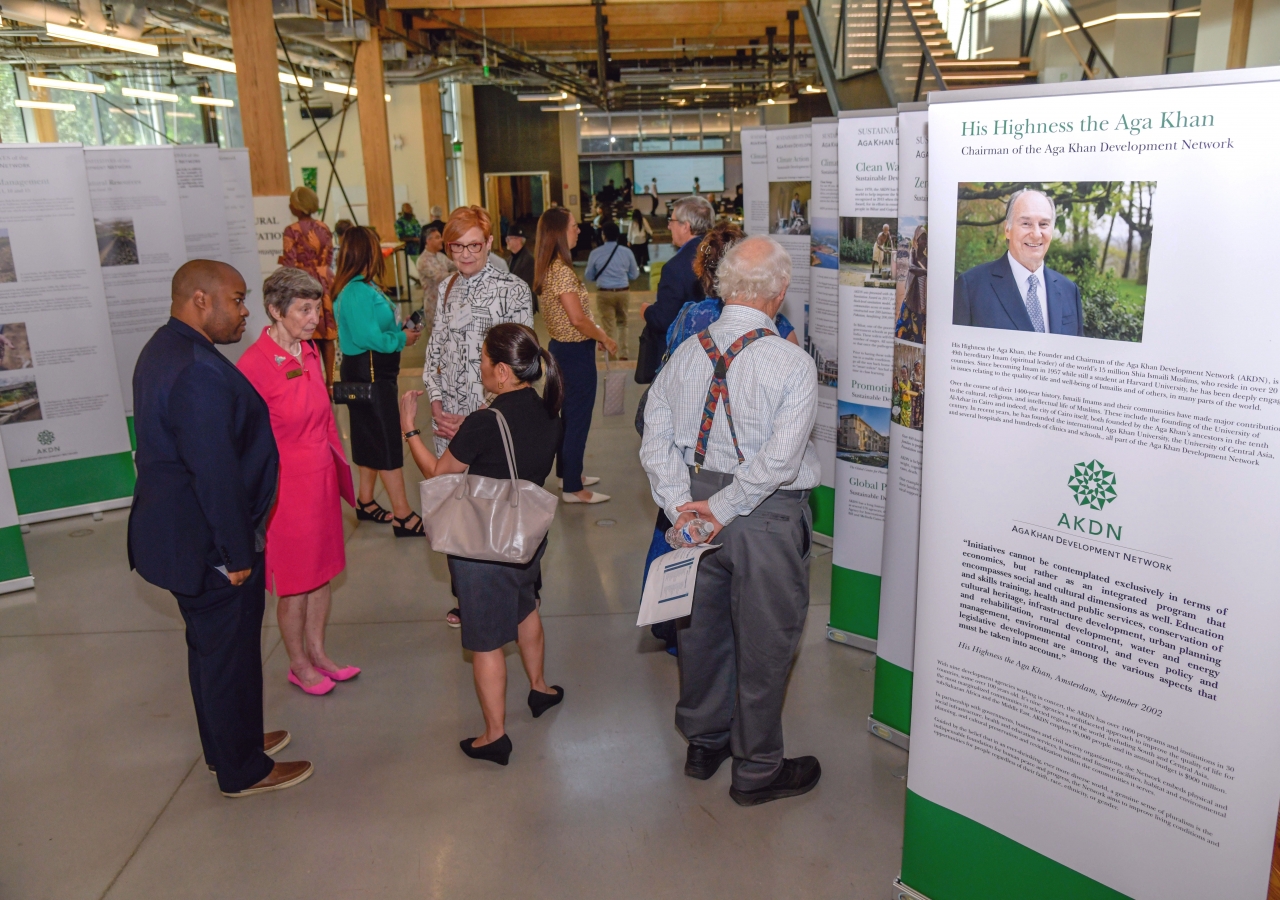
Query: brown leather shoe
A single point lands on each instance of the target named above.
(282, 775)
(272, 743)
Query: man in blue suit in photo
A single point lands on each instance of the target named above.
(1017, 292)
(207, 474)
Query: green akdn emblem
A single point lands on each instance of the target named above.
(1093, 485)
(45, 437)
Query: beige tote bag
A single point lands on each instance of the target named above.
(494, 519)
(615, 389)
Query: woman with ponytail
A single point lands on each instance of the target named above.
(499, 601)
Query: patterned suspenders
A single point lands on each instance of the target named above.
(720, 389)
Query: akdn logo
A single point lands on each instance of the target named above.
(1093, 486)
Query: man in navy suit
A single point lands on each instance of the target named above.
(207, 473)
(691, 218)
(1016, 291)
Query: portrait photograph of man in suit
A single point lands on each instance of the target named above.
(1066, 258)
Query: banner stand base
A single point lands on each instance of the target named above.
(892, 735)
(823, 539)
(84, 509)
(902, 892)
(853, 640)
(17, 584)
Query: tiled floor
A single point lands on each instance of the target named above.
(104, 792)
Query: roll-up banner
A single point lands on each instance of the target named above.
(137, 217)
(822, 337)
(200, 197)
(61, 411)
(15, 573)
(1095, 669)
(895, 646)
(755, 181)
(242, 240)
(868, 281)
(790, 187)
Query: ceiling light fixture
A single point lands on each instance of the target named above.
(533, 98)
(702, 87)
(149, 95)
(568, 108)
(86, 87)
(813, 89)
(304, 81)
(211, 101)
(41, 104)
(100, 40)
(335, 88)
(208, 62)
(776, 101)
(386, 97)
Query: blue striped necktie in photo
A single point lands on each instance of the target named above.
(1033, 303)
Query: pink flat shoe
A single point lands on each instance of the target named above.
(319, 690)
(346, 673)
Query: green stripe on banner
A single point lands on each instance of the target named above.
(892, 703)
(823, 503)
(946, 856)
(72, 482)
(855, 602)
(13, 555)
(133, 438)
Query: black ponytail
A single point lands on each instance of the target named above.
(517, 346)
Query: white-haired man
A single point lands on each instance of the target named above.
(726, 439)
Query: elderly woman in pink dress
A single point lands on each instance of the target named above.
(304, 531)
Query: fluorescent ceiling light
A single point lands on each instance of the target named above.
(335, 88)
(101, 40)
(813, 89)
(209, 62)
(41, 104)
(702, 87)
(211, 101)
(772, 101)
(569, 108)
(531, 98)
(386, 97)
(149, 95)
(180, 115)
(301, 80)
(37, 81)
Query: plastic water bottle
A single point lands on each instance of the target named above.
(695, 531)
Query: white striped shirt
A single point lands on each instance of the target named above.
(774, 398)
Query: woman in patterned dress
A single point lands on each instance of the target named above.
(308, 246)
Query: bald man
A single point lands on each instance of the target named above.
(207, 471)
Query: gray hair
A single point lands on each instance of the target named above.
(285, 285)
(753, 271)
(696, 212)
(1008, 210)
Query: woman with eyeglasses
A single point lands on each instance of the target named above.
(468, 304)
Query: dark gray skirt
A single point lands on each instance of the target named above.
(494, 598)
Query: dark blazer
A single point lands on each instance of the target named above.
(677, 286)
(987, 297)
(207, 463)
(521, 266)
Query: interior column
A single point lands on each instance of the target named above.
(569, 184)
(253, 40)
(375, 145)
(433, 146)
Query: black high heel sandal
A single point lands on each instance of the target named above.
(372, 512)
(402, 529)
(499, 751)
(540, 702)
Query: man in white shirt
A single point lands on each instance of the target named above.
(749, 476)
(1017, 291)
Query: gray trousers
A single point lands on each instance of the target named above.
(749, 607)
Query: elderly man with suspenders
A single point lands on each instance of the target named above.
(726, 440)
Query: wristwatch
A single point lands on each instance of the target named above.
(409, 434)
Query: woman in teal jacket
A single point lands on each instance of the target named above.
(371, 341)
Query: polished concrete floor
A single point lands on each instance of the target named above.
(103, 792)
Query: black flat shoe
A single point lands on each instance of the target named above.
(701, 763)
(402, 529)
(540, 702)
(499, 751)
(797, 776)
(372, 512)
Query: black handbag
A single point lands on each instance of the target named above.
(650, 355)
(354, 393)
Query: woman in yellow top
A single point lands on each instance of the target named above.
(574, 334)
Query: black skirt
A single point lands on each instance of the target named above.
(494, 598)
(376, 441)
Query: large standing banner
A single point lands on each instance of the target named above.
(200, 197)
(61, 414)
(790, 187)
(755, 180)
(15, 573)
(242, 241)
(895, 645)
(822, 337)
(868, 272)
(1096, 674)
(137, 217)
